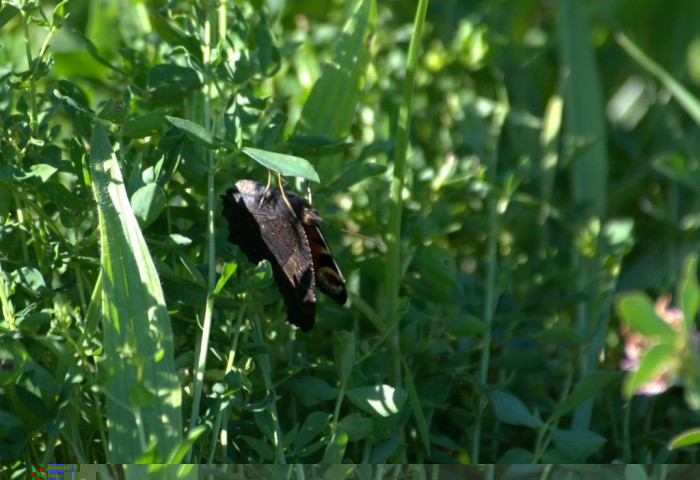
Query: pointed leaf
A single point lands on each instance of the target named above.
(637, 310)
(286, 165)
(509, 409)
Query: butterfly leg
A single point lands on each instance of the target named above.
(267, 187)
(284, 196)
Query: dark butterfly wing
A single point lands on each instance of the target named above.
(262, 225)
(328, 277)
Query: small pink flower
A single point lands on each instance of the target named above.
(636, 346)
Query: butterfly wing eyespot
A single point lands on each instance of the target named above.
(263, 226)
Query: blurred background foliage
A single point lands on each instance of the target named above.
(547, 171)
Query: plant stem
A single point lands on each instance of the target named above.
(394, 267)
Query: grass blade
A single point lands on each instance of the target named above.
(143, 394)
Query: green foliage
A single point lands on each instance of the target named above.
(524, 169)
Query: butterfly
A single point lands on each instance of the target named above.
(283, 228)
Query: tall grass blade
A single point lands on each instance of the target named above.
(143, 394)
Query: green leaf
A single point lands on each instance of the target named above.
(263, 449)
(148, 202)
(174, 36)
(689, 292)
(381, 400)
(637, 310)
(586, 388)
(509, 409)
(286, 165)
(344, 354)
(138, 341)
(356, 426)
(577, 444)
(144, 125)
(338, 472)
(335, 450)
(7, 13)
(33, 281)
(654, 361)
(196, 132)
(311, 390)
(635, 472)
(169, 83)
(463, 325)
(685, 439)
(226, 272)
(312, 427)
(330, 108)
(43, 171)
(683, 96)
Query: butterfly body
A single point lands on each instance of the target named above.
(266, 226)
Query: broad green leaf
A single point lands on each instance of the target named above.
(286, 165)
(685, 439)
(637, 310)
(509, 409)
(586, 388)
(381, 400)
(33, 281)
(356, 426)
(169, 83)
(144, 125)
(381, 451)
(138, 340)
(330, 108)
(148, 202)
(577, 444)
(311, 390)
(7, 13)
(654, 361)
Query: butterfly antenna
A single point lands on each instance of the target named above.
(363, 237)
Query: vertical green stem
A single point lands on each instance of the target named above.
(265, 367)
(499, 116)
(33, 122)
(394, 269)
(211, 252)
